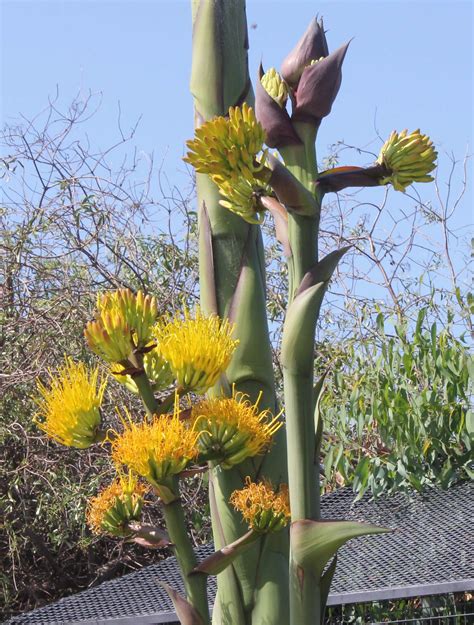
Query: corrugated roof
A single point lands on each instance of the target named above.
(431, 551)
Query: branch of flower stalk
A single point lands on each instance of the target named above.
(143, 383)
(340, 178)
(195, 585)
(166, 404)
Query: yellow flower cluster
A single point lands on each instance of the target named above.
(155, 450)
(226, 149)
(198, 350)
(275, 86)
(408, 158)
(115, 506)
(233, 429)
(243, 199)
(69, 408)
(123, 323)
(264, 509)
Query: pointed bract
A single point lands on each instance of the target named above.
(318, 87)
(311, 46)
(274, 118)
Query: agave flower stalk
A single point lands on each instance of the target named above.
(232, 284)
(261, 474)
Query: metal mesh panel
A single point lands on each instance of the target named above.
(430, 552)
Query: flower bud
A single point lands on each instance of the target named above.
(123, 323)
(275, 86)
(312, 45)
(156, 369)
(403, 159)
(407, 158)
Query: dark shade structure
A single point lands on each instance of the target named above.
(430, 552)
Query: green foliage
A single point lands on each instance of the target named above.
(419, 610)
(397, 409)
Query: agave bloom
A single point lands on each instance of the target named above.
(244, 199)
(407, 158)
(263, 508)
(69, 407)
(156, 450)
(227, 150)
(403, 159)
(116, 506)
(233, 429)
(198, 350)
(123, 323)
(156, 369)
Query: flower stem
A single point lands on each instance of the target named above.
(195, 585)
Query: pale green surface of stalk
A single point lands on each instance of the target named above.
(229, 245)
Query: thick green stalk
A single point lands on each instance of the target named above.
(302, 230)
(195, 585)
(304, 490)
(305, 598)
(303, 466)
(232, 283)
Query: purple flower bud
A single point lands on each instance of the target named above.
(311, 46)
(275, 120)
(318, 87)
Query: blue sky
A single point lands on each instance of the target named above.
(410, 64)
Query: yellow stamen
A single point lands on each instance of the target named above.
(233, 429)
(198, 350)
(156, 450)
(69, 408)
(115, 506)
(261, 507)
